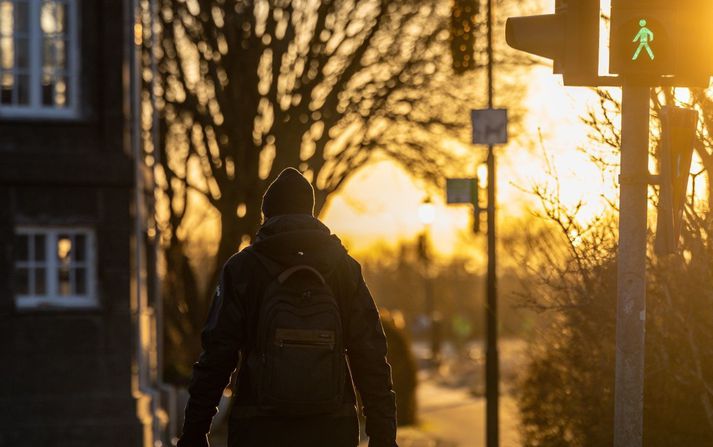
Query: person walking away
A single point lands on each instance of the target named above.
(293, 314)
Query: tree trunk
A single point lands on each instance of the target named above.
(232, 231)
(183, 314)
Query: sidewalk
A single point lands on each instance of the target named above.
(452, 417)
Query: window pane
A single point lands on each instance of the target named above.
(48, 51)
(6, 88)
(64, 249)
(80, 278)
(40, 247)
(47, 90)
(54, 56)
(23, 90)
(22, 281)
(60, 54)
(21, 246)
(64, 282)
(60, 17)
(6, 18)
(51, 17)
(41, 281)
(7, 53)
(65, 273)
(27, 27)
(22, 17)
(80, 248)
(60, 92)
(22, 50)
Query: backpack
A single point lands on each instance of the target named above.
(298, 365)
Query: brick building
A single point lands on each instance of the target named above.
(77, 323)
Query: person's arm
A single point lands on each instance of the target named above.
(221, 340)
(366, 349)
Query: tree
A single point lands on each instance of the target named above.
(247, 88)
(567, 395)
(604, 129)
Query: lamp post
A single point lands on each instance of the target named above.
(427, 215)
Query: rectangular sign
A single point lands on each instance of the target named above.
(490, 126)
(460, 190)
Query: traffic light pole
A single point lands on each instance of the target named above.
(631, 286)
(492, 389)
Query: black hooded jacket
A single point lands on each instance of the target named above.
(231, 330)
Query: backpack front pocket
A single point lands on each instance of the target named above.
(303, 369)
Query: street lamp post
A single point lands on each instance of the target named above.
(427, 215)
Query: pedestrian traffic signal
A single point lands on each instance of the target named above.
(653, 38)
(678, 138)
(570, 37)
(463, 21)
(641, 39)
(644, 37)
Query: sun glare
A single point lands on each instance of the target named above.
(683, 96)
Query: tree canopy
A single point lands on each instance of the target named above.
(247, 88)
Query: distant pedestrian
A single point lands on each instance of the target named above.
(288, 312)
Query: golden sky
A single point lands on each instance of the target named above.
(380, 204)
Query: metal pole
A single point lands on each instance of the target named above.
(631, 297)
(491, 354)
(490, 54)
(492, 392)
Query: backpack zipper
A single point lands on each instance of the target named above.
(283, 343)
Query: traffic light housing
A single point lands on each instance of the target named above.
(655, 38)
(570, 37)
(463, 22)
(678, 138)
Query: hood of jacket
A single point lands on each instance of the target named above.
(293, 239)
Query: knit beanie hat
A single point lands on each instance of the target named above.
(289, 193)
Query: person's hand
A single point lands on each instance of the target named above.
(193, 441)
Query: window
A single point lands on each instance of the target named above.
(54, 268)
(38, 58)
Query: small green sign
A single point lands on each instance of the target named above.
(644, 36)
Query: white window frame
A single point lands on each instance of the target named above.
(52, 299)
(35, 109)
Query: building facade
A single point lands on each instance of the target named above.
(77, 322)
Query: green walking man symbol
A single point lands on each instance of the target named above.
(644, 37)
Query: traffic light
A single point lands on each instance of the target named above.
(570, 37)
(654, 38)
(678, 137)
(463, 21)
(642, 42)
